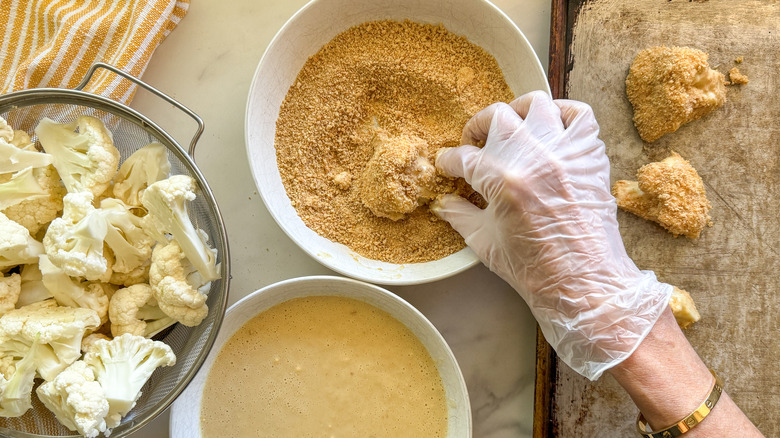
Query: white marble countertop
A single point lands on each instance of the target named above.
(207, 64)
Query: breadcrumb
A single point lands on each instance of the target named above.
(671, 86)
(669, 192)
(737, 78)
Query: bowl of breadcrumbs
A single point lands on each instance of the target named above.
(348, 107)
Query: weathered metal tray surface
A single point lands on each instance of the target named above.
(733, 270)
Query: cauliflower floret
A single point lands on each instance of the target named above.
(683, 308)
(38, 211)
(178, 288)
(129, 243)
(122, 366)
(17, 247)
(134, 310)
(74, 242)
(671, 86)
(166, 202)
(83, 151)
(32, 288)
(77, 400)
(398, 178)
(73, 293)
(670, 193)
(20, 364)
(14, 159)
(144, 167)
(20, 187)
(90, 339)
(136, 276)
(59, 330)
(10, 288)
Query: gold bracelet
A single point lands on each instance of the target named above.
(688, 422)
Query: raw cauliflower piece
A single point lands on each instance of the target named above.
(59, 330)
(10, 288)
(70, 292)
(671, 86)
(166, 202)
(20, 361)
(178, 287)
(144, 167)
(134, 310)
(17, 247)
(129, 243)
(122, 366)
(74, 242)
(683, 308)
(19, 187)
(37, 212)
(32, 288)
(76, 399)
(83, 151)
(669, 192)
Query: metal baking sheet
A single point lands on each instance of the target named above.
(733, 270)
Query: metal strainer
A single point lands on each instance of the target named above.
(131, 131)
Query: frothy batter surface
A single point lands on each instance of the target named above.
(324, 367)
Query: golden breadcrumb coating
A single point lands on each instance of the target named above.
(671, 86)
(397, 177)
(669, 192)
(737, 78)
(683, 308)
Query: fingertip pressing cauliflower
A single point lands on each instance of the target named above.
(71, 292)
(671, 86)
(17, 247)
(10, 288)
(83, 153)
(669, 192)
(177, 285)
(122, 366)
(683, 308)
(74, 242)
(166, 202)
(77, 400)
(134, 310)
(144, 167)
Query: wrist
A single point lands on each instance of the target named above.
(665, 377)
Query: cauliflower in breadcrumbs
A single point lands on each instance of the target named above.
(669, 192)
(671, 86)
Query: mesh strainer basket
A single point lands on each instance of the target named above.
(131, 131)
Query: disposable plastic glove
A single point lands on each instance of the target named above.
(550, 227)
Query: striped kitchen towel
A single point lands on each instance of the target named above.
(52, 43)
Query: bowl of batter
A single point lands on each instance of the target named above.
(325, 356)
(347, 110)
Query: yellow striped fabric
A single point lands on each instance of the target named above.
(52, 43)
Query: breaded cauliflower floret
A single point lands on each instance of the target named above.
(398, 178)
(671, 86)
(669, 192)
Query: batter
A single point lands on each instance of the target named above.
(323, 367)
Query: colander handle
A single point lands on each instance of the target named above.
(152, 90)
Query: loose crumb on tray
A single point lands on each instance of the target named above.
(361, 124)
(737, 78)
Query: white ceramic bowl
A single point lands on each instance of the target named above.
(302, 36)
(185, 413)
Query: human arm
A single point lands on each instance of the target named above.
(666, 391)
(550, 230)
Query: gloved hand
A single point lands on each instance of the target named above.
(550, 227)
